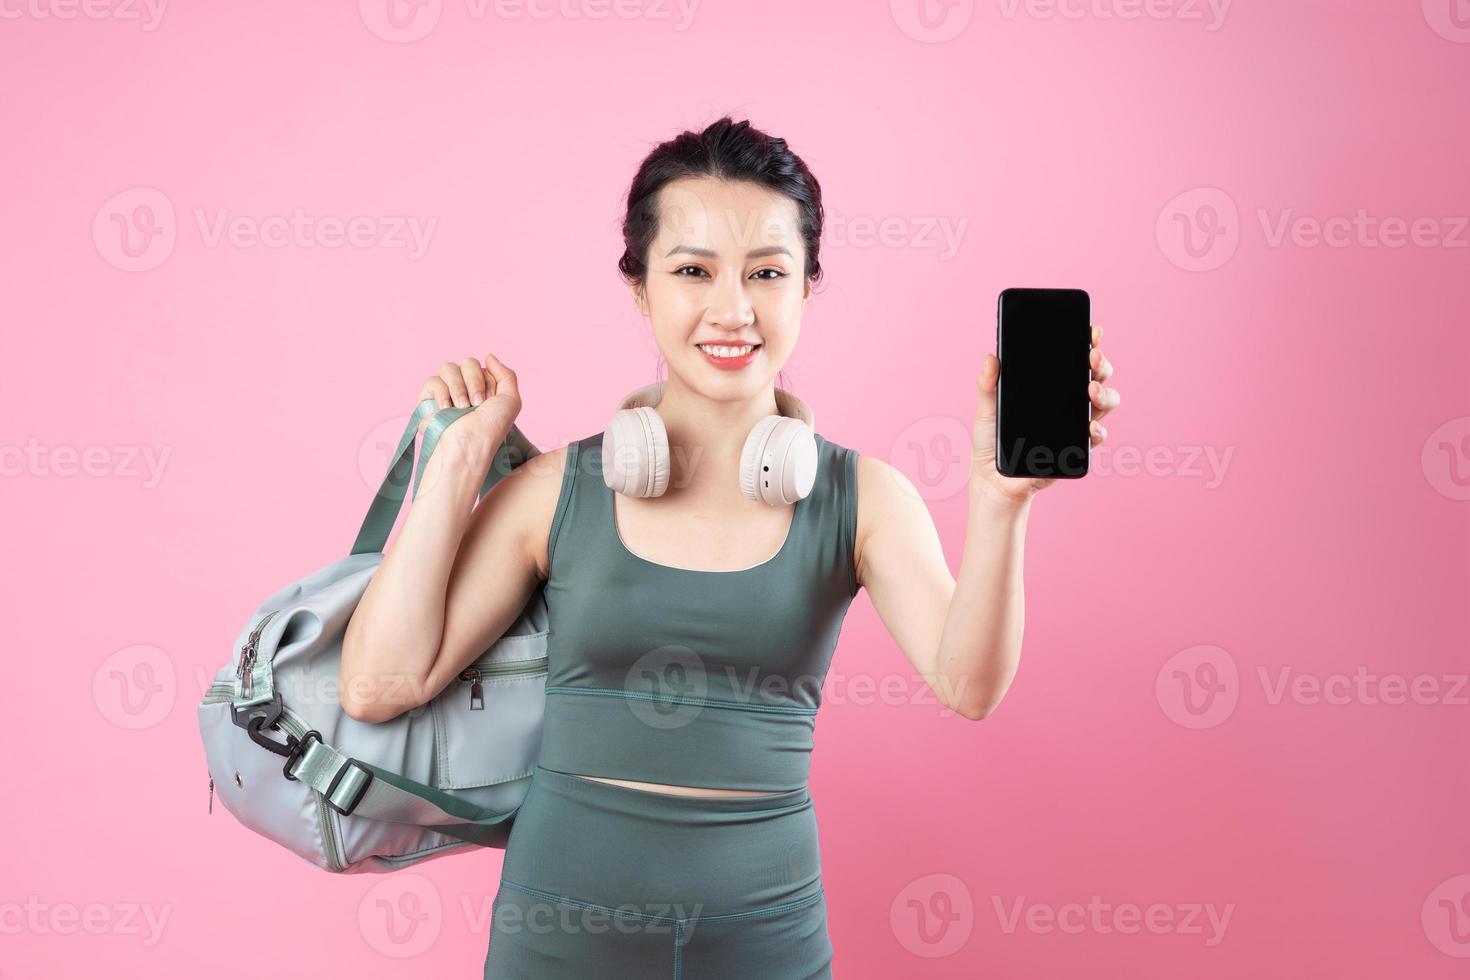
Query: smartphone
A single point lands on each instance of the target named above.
(1043, 413)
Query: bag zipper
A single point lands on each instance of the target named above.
(474, 675)
(476, 672)
(224, 691)
(244, 670)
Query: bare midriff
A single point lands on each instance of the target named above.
(676, 790)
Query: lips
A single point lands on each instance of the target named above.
(731, 363)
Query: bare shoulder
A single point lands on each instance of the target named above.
(527, 498)
(884, 494)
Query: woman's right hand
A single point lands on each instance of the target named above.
(491, 389)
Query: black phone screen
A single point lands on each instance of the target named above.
(1043, 411)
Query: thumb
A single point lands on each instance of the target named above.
(989, 376)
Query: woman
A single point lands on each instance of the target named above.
(695, 592)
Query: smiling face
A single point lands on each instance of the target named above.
(727, 268)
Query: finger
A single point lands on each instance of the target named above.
(455, 380)
(503, 378)
(1099, 433)
(1104, 400)
(989, 374)
(1096, 335)
(436, 389)
(1102, 368)
(474, 379)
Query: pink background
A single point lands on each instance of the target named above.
(1327, 382)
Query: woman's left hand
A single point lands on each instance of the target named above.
(983, 467)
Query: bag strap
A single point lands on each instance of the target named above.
(356, 788)
(382, 513)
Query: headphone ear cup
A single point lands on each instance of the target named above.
(778, 465)
(635, 453)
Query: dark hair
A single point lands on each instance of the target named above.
(727, 150)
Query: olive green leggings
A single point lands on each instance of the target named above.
(603, 881)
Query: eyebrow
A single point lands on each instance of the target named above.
(710, 253)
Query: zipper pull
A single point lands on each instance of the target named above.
(211, 794)
(247, 672)
(477, 691)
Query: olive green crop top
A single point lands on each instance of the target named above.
(685, 677)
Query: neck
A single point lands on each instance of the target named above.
(706, 436)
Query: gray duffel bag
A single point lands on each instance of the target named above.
(351, 796)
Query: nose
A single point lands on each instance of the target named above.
(729, 304)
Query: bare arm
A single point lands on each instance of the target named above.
(456, 575)
(963, 637)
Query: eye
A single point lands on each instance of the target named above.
(679, 271)
(778, 274)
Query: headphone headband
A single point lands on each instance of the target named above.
(786, 403)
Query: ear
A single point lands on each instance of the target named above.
(806, 292)
(640, 297)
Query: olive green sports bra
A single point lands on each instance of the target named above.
(685, 677)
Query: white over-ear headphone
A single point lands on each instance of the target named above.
(777, 466)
